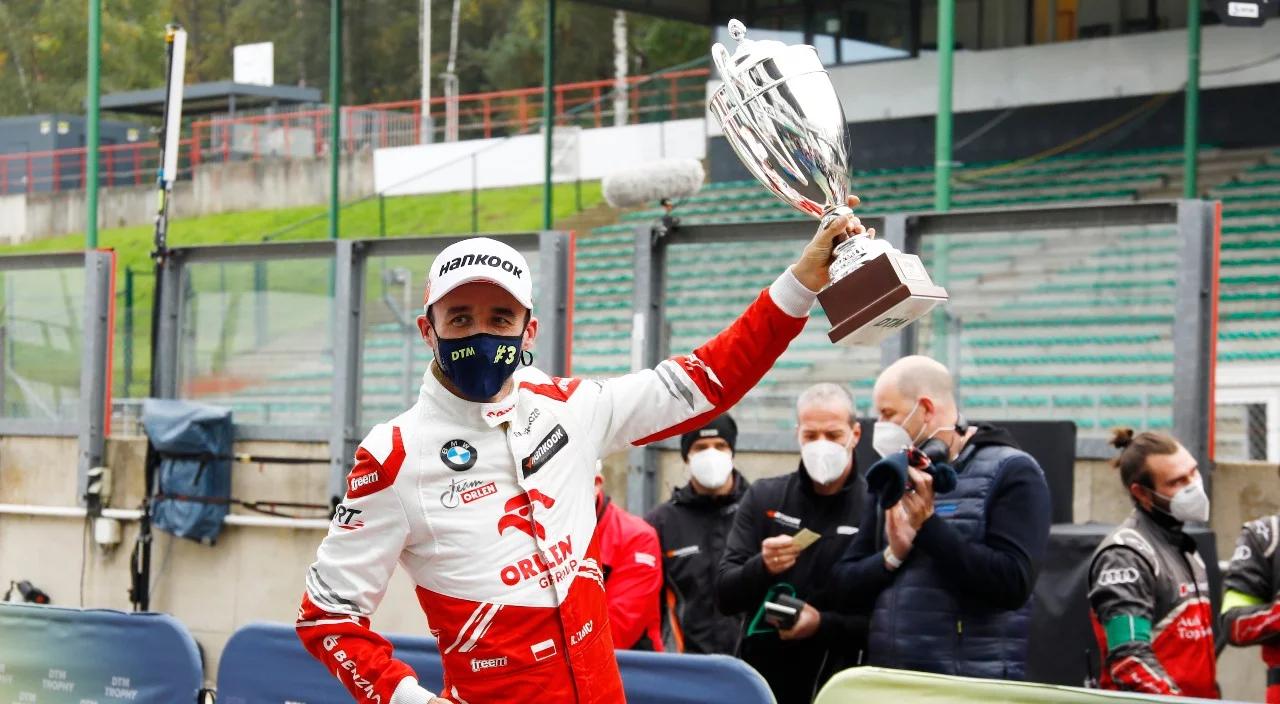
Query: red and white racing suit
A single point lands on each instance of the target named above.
(490, 509)
(1251, 598)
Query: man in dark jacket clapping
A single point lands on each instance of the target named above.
(950, 576)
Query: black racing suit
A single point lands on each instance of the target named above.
(692, 529)
(784, 505)
(1149, 594)
(1251, 602)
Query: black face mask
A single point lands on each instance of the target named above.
(479, 365)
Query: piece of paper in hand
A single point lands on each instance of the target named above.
(805, 538)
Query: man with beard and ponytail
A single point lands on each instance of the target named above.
(692, 528)
(483, 491)
(950, 574)
(787, 535)
(1148, 588)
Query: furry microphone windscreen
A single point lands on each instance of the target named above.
(652, 182)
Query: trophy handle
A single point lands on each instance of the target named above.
(723, 61)
(830, 216)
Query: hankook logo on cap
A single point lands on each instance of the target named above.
(459, 455)
(492, 260)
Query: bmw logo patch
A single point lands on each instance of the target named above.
(458, 455)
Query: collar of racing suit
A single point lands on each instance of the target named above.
(457, 409)
(1168, 528)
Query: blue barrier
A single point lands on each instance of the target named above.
(54, 655)
(665, 678)
(265, 663)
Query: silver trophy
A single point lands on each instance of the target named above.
(782, 117)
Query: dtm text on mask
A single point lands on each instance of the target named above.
(549, 567)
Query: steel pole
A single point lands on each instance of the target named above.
(335, 110)
(942, 132)
(548, 108)
(92, 138)
(1191, 117)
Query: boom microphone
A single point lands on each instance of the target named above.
(668, 179)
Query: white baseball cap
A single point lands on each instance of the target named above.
(480, 259)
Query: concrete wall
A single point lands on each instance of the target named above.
(518, 161)
(215, 188)
(256, 573)
(251, 574)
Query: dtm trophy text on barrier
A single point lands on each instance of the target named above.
(782, 117)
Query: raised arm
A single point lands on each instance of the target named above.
(686, 391)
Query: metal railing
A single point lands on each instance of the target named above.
(653, 98)
(57, 170)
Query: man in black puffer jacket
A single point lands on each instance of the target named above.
(692, 528)
(950, 576)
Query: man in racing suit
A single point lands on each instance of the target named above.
(484, 490)
(1148, 587)
(1250, 603)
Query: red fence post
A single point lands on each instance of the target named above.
(109, 170)
(31, 175)
(675, 99)
(488, 126)
(196, 144)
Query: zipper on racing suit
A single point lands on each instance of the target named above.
(555, 594)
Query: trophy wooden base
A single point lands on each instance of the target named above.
(879, 299)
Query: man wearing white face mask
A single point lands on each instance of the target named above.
(692, 528)
(825, 495)
(951, 575)
(1148, 588)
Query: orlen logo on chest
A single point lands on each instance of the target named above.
(549, 567)
(519, 514)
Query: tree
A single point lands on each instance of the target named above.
(43, 57)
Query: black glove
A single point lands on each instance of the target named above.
(888, 477)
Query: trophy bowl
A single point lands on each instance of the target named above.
(780, 113)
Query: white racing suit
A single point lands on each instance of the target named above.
(490, 509)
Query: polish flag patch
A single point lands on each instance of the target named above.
(542, 651)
